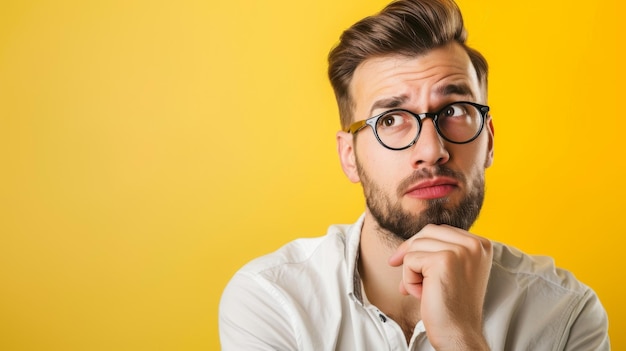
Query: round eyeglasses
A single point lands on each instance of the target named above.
(459, 123)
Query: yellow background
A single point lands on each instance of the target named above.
(148, 149)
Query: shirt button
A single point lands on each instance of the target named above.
(382, 318)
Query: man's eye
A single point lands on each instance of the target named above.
(453, 111)
(392, 120)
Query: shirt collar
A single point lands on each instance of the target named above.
(352, 257)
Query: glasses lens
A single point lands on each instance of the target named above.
(397, 129)
(459, 122)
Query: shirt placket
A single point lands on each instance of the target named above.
(391, 330)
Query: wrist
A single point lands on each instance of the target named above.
(467, 341)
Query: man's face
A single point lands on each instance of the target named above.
(433, 181)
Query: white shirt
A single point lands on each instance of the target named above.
(308, 296)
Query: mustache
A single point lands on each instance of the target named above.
(428, 173)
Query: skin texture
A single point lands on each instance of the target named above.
(433, 272)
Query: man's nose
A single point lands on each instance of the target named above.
(429, 149)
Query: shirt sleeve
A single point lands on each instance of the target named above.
(589, 328)
(252, 316)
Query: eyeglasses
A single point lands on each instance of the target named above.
(459, 123)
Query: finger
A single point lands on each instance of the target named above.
(421, 245)
(416, 290)
(398, 257)
(412, 277)
(455, 235)
(436, 232)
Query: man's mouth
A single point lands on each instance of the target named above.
(433, 188)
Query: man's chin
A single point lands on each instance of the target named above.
(416, 207)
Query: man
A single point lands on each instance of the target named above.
(408, 275)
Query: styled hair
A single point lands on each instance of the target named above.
(405, 27)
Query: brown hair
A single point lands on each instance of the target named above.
(404, 27)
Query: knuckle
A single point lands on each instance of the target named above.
(487, 244)
(447, 257)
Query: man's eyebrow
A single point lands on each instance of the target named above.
(389, 103)
(461, 89)
(455, 89)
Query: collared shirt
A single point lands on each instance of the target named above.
(308, 296)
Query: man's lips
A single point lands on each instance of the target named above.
(432, 188)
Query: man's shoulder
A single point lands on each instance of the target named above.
(534, 269)
(286, 276)
(300, 253)
(294, 295)
(522, 287)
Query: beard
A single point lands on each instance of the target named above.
(402, 225)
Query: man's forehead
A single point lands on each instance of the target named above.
(442, 71)
(451, 57)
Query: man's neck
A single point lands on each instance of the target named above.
(380, 280)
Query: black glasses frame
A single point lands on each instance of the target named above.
(358, 126)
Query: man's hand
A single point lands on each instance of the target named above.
(447, 269)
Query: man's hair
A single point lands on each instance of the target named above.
(405, 27)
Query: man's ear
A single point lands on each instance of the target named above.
(347, 156)
(491, 132)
